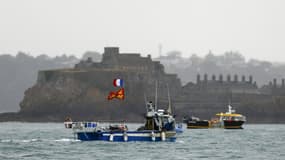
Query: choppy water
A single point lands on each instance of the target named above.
(52, 141)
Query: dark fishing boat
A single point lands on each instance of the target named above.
(228, 120)
(196, 123)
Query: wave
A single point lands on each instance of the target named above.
(18, 140)
(30, 140)
(67, 140)
(180, 141)
(6, 140)
(37, 140)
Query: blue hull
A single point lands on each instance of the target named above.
(121, 137)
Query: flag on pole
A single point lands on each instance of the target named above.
(118, 82)
(120, 94)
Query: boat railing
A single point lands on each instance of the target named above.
(84, 126)
(80, 125)
(234, 118)
(95, 126)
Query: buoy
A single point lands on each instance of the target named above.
(125, 136)
(111, 138)
(152, 136)
(162, 136)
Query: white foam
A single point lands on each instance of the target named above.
(18, 141)
(29, 140)
(180, 142)
(67, 140)
(6, 140)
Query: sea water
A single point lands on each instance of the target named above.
(38, 141)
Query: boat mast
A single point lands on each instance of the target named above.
(145, 101)
(169, 110)
(155, 106)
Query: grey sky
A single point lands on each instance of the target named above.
(256, 28)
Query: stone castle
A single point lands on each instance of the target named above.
(82, 90)
(131, 67)
(114, 60)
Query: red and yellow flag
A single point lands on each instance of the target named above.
(120, 94)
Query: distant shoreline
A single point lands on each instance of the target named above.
(125, 122)
(31, 120)
(59, 118)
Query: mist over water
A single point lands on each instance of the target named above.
(52, 141)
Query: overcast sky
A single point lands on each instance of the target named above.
(255, 28)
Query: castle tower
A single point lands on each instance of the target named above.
(236, 78)
(250, 79)
(110, 55)
(206, 78)
(111, 50)
(275, 83)
(229, 78)
(270, 83)
(198, 79)
(213, 77)
(243, 78)
(221, 78)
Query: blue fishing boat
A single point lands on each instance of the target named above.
(159, 126)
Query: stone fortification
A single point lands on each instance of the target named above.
(81, 92)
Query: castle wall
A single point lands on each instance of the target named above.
(220, 86)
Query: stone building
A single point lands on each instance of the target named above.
(274, 88)
(221, 85)
(76, 90)
(114, 60)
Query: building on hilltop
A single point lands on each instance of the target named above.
(113, 59)
(136, 71)
(219, 85)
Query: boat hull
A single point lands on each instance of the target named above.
(219, 124)
(233, 124)
(198, 125)
(125, 136)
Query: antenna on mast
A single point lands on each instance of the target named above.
(169, 110)
(155, 106)
(145, 101)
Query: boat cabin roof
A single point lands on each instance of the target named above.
(229, 115)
